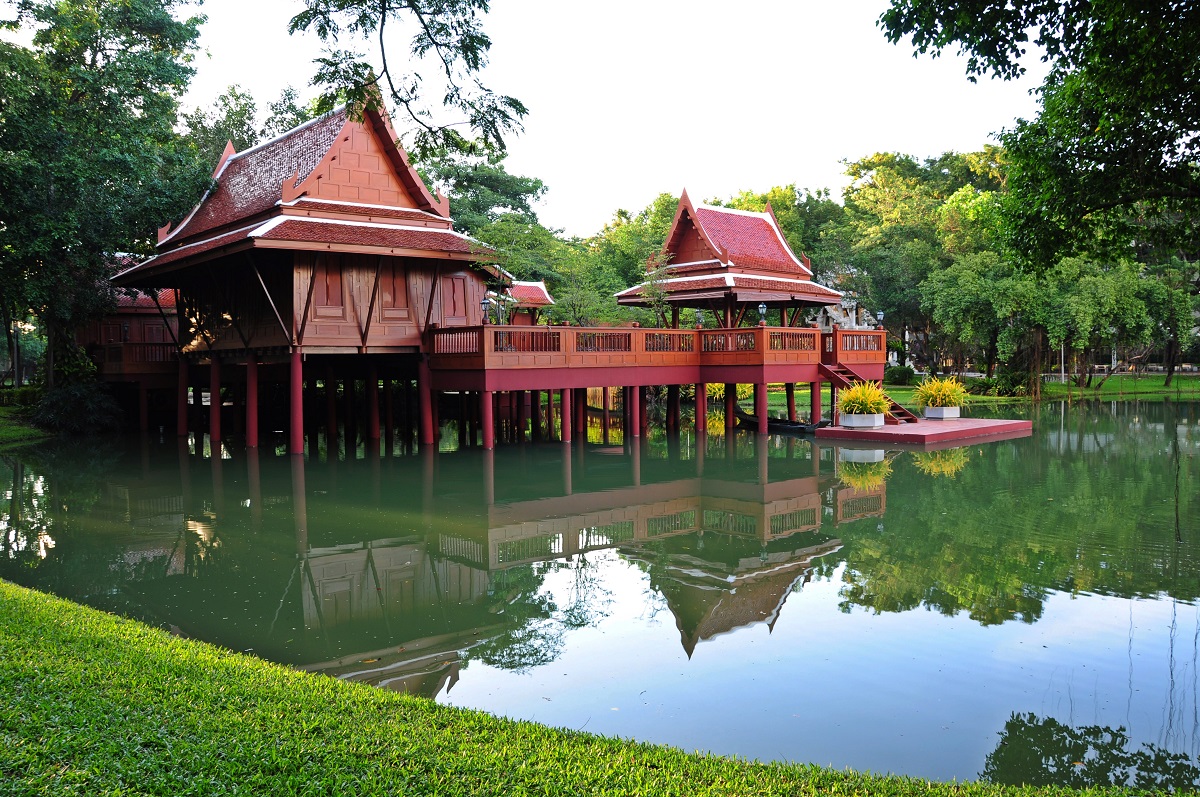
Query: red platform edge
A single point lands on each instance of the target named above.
(933, 434)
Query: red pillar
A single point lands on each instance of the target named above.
(635, 412)
(252, 402)
(372, 403)
(564, 403)
(790, 387)
(487, 420)
(535, 414)
(760, 407)
(814, 402)
(214, 404)
(425, 404)
(522, 414)
(701, 408)
(296, 426)
(181, 399)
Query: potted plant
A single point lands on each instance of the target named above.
(863, 405)
(940, 398)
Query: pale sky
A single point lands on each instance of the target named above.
(630, 98)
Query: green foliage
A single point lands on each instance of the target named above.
(232, 118)
(447, 43)
(940, 392)
(863, 398)
(898, 375)
(26, 396)
(481, 191)
(716, 391)
(1006, 384)
(77, 408)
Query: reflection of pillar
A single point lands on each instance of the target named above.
(489, 476)
(373, 404)
(635, 460)
(635, 411)
(487, 420)
(425, 404)
(214, 403)
(218, 484)
(251, 402)
(143, 408)
(815, 448)
(372, 447)
(181, 399)
(814, 402)
(672, 408)
(522, 414)
(564, 403)
(790, 387)
(428, 464)
(701, 408)
(701, 450)
(299, 505)
(254, 477)
(568, 481)
(350, 417)
(730, 403)
(185, 475)
(296, 427)
(761, 445)
(760, 407)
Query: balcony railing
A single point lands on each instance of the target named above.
(502, 347)
(138, 358)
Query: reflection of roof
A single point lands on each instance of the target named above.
(530, 294)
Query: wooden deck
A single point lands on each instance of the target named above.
(541, 358)
(931, 435)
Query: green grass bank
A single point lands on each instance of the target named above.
(97, 705)
(14, 430)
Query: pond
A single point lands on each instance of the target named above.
(1019, 611)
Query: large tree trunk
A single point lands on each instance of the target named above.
(993, 342)
(1172, 357)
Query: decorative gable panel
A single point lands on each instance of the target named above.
(356, 170)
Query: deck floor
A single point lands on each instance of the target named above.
(930, 435)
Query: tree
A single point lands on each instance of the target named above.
(1111, 158)
(286, 113)
(481, 190)
(446, 36)
(90, 158)
(233, 118)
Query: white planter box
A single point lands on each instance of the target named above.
(857, 421)
(942, 413)
(863, 454)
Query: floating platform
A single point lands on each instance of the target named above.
(929, 435)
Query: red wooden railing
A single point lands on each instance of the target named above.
(542, 347)
(135, 358)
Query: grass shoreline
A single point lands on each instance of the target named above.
(96, 704)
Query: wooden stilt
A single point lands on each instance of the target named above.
(672, 408)
(730, 403)
(214, 404)
(372, 403)
(181, 400)
(252, 402)
(790, 389)
(635, 412)
(487, 420)
(522, 414)
(296, 427)
(564, 402)
(760, 407)
(701, 408)
(425, 404)
(814, 402)
(389, 417)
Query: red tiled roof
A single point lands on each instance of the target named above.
(368, 210)
(750, 239)
(190, 250)
(374, 235)
(249, 184)
(166, 299)
(530, 294)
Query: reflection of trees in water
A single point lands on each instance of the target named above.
(1091, 504)
(1040, 751)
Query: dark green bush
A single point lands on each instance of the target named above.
(899, 375)
(26, 396)
(77, 408)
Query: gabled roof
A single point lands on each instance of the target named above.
(721, 254)
(530, 294)
(332, 184)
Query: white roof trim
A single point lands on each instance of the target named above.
(298, 200)
(286, 133)
(181, 248)
(770, 220)
(276, 221)
(731, 281)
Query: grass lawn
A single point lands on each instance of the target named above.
(96, 705)
(13, 430)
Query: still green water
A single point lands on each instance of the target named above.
(1020, 611)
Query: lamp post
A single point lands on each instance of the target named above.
(762, 313)
(483, 305)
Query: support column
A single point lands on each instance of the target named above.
(730, 402)
(760, 407)
(143, 408)
(672, 408)
(814, 402)
(252, 402)
(214, 405)
(635, 412)
(790, 388)
(606, 414)
(425, 404)
(535, 415)
(522, 415)
(372, 403)
(564, 402)
(579, 404)
(701, 408)
(487, 420)
(296, 426)
(331, 420)
(181, 400)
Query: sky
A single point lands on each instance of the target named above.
(631, 98)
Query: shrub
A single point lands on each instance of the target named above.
(716, 391)
(77, 408)
(1006, 384)
(899, 375)
(26, 396)
(863, 398)
(940, 392)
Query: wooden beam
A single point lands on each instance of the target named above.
(371, 305)
(437, 278)
(287, 333)
(228, 298)
(166, 322)
(312, 284)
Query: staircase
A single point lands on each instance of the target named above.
(841, 376)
